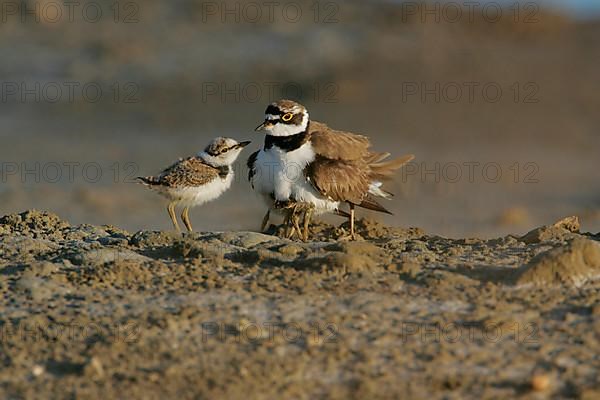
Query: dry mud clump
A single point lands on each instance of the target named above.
(91, 311)
(574, 263)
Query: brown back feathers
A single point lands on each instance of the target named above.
(345, 170)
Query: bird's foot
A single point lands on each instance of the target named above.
(283, 204)
(348, 236)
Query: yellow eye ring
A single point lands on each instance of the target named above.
(287, 117)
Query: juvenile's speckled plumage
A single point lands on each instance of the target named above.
(195, 180)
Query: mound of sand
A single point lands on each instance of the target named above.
(574, 264)
(560, 230)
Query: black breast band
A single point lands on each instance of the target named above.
(287, 143)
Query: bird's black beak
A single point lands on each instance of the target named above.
(262, 126)
(240, 145)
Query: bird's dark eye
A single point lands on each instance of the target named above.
(287, 117)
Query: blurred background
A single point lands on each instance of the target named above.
(499, 101)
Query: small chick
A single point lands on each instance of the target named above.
(196, 180)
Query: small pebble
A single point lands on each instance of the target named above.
(540, 382)
(37, 370)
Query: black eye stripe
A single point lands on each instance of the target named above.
(215, 152)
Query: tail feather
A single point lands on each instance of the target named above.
(342, 213)
(147, 180)
(376, 189)
(371, 204)
(374, 158)
(384, 170)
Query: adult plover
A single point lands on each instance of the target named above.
(198, 179)
(310, 165)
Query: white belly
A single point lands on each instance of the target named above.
(281, 174)
(197, 195)
(263, 180)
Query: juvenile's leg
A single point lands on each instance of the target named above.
(185, 217)
(265, 220)
(352, 235)
(307, 216)
(296, 222)
(291, 222)
(171, 210)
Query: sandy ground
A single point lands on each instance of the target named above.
(94, 311)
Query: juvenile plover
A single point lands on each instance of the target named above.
(317, 168)
(195, 180)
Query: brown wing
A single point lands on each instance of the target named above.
(344, 167)
(190, 171)
(339, 180)
(337, 145)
